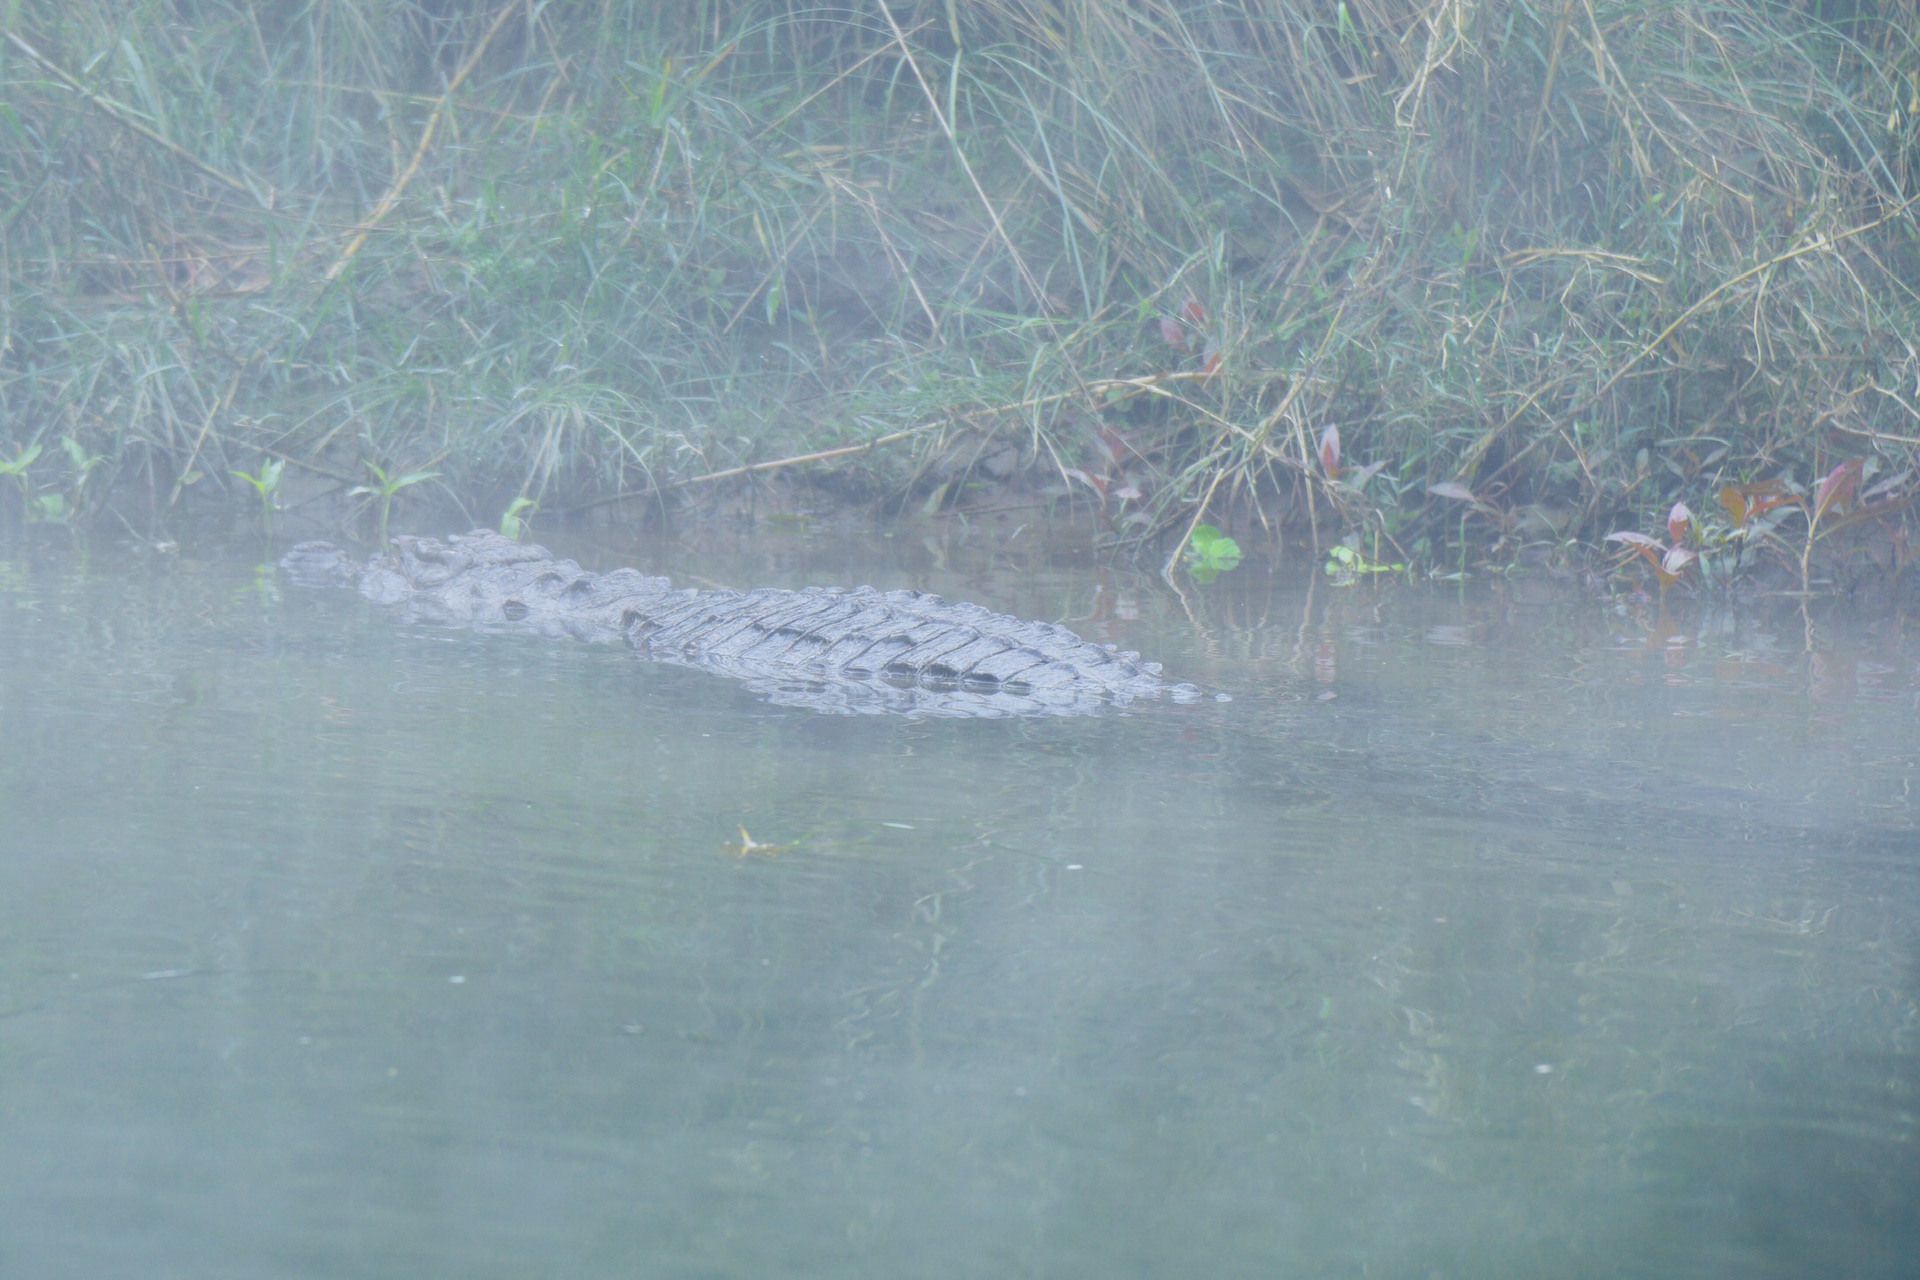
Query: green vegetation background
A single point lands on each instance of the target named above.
(1546, 267)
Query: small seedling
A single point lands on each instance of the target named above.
(16, 470)
(519, 515)
(264, 484)
(1210, 553)
(83, 462)
(386, 488)
(1347, 564)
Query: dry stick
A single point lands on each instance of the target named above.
(1602, 60)
(802, 105)
(1166, 570)
(1875, 435)
(1272, 420)
(1151, 384)
(872, 207)
(1432, 60)
(400, 184)
(121, 115)
(1480, 446)
(360, 233)
(1471, 463)
(779, 265)
(1824, 242)
(946, 127)
(1259, 437)
(1553, 71)
(206, 426)
(752, 467)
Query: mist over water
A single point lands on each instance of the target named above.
(1472, 938)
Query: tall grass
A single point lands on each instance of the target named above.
(1573, 258)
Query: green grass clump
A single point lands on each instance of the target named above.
(1546, 267)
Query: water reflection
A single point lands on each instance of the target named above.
(1562, 938)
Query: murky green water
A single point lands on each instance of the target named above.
(1558, 943)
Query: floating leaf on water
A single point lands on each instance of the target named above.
(1208, 541)
(1210, 553)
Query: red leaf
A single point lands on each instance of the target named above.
(1092, 482)
(1212, 365)
(1676, 563)
(1330, 451)
(1747, 502)
(1838, 488)
(1172, 334)
(1677, 521)
(1648, 549)
(1194, 311)
(1636, 540)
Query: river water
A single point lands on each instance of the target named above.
(1475, 937)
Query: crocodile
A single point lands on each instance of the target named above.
(828, 649)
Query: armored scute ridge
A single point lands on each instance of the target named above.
(826, 649)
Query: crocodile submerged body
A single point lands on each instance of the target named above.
(827, 649)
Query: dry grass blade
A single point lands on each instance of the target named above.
(382, 207)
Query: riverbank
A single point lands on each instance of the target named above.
(1453, 286)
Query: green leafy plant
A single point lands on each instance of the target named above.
(385, 490)
(1347, 564)
(1210, 553)
(54, 508)
(718, 213)
(265, 484)
(83, 462)
(519, 515)
(16, 471)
